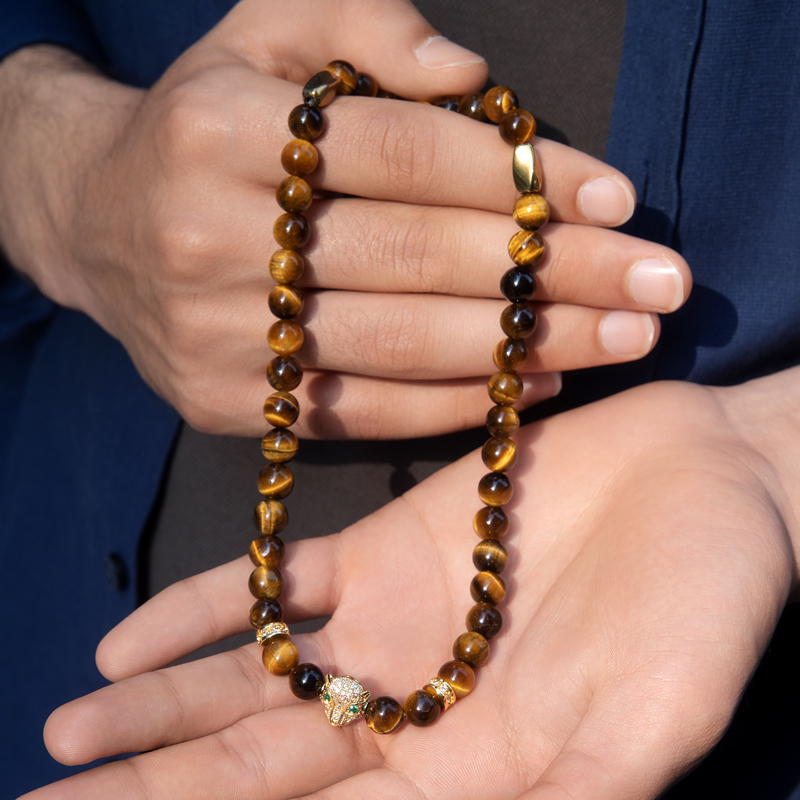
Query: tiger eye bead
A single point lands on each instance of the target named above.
(499, 454)
(518, 285)
(306, 122)
(280, 656)
(502, 421)
(293, 194)
(495, 489)
(270, 517)
(266, 582)
(275, 481)
(383, 715)
(471, 105)
(279, 446)
(346, 73)
(291, 231)
(505, 388)
(265, 611)
(531, 211)
(366, 86)
(285, 301)
(510, 355)
(421, 709)
(299, 157)
(459, 675)
(281, 409)
(518, 321)
(518, 126)
(490, 522)
(485, 620)
(306, 681)
(266, 551)
(526, 248)
(284, 374)
(285, 337)
(450, 102)
(286, 266)
(486, 587)
(498, 102)
(471, 648)
(490, 556)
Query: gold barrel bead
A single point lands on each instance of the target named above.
(280, 656)
(499, 454)
(347, 75)
(502, 420)
(285, 337)
(281, 409)
(487, 587)
(275, 481)
(527, 169)
(284, 373)
(293, 194)
(495, 489)
(505, 388)
(526, 248)
(291, 231)
(279, 446)
(471, 648)
(320, 89)
(286, 266)
(299, 157)
(498, 102)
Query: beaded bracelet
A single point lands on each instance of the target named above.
(344, 698)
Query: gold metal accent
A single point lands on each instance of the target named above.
(320, 89)
(344, 699)
(527, 171)
(444, 690)
(273, 629)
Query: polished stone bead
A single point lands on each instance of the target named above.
(366, 86)
(383, 715)
(485, 619)
(265, 611)
(306, 681)
(346, 73)
(266, 551)
(279, 445)
(490, 522)
(518, 285)
(459, 675)
(388, 95)
(270, 517)
(306, 122)
(489, 555)
(293, 194)
(285, 301)
(281, 409)
(527, 169)
(510, 355)
(286, 266)
(299, 157)
(285, 337)
(505, 388)
(471, 105)
(495, 489)
(284, 374)
(499, 101)
(450, 102)
(275, 481)
(502, 421)
(499, 454)
(422, 709)
(526, 248)
(486, 587)
(518, 321)
(518, 126)
(280, 656)
(266, 582)
(320, 89)
(471, 648)
(531, 211)
(291, 231)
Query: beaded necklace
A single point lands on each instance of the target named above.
(343, 698)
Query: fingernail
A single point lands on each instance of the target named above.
(540, 386)
(656, 283)
(627, 333)
(606, 201)
(437, 52)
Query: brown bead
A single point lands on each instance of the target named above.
(346, 73)
(490, 556)
(471, 105)
(485, 619)
(459, 675)
(518, 285)
(275, 481)
(471, 648)
(270, 517)
(285, 301)
(531, 211)
(281, 409)
(499, 454)
(388, 95)
(284, 374)
(299, 157)
(486, 587)
(495, 489)
(293, 194)
(518, 126)
(502, 421)
(265, 611)
(498, 102)
(383, 714)
(285, 337)
(306, 681)
(490, 522)
(421, 709)
(291, 231)
(286, 266)
(505, 388)
(510, 355)
(518, 321)
(280, 656)
(306, 122)
(266, 582)
(366, 86)
(449, 102)
(526, 248)
(266, 551)
(279, 446)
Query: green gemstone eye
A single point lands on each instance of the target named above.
(354, 709)
(326, 696)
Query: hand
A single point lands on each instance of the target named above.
(160, 227)
(650, 557)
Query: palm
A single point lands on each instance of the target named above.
(647, 570)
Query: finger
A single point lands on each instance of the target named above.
(381, 782)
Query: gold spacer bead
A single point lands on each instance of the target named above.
(443, 690)
(273, 629)
(321, 89)
(526, 168)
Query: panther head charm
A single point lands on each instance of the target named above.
(344, 699)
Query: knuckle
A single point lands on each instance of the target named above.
(401, 339)
(182, 244)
